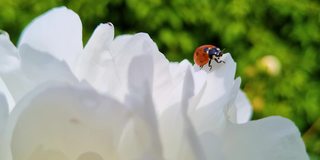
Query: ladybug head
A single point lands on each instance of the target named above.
(207, 50)
(215, 52)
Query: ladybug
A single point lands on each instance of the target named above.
(205, 53)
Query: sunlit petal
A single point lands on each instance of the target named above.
(9, 58)
(273, 138)
(67, 120)
(57, 32)
(4, 114)
(35, 68)
(7, 95)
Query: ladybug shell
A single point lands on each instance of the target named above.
(200, 57)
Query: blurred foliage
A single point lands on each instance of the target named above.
(276, 43)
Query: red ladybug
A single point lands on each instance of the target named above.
(205, 53)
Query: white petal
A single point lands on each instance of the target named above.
(169, 87)
(273, 138)
(35, 68)
(9, 58)
(119, 42)
(178, 135)
(243, 107)
(108, 69)
(7, 95)
(67, 122)
(140, 73)
(163, 84)
(210, 122)
(214, 116)
(219, 80)
(212, 145)
(132, 45)
(95, 65)
(101, 39)
(122, 54)
(47, 154)
(4, 113)
(200, 79)
(176, 143)
(137, 142)
(188, 93)
(142, 129)
(57, 32)
(169, 80)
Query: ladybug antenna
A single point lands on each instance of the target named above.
(222, 51)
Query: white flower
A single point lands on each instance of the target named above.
(121, 99)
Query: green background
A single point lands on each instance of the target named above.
(275, 43)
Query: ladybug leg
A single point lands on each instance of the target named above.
(217, 60)
(209, 64)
